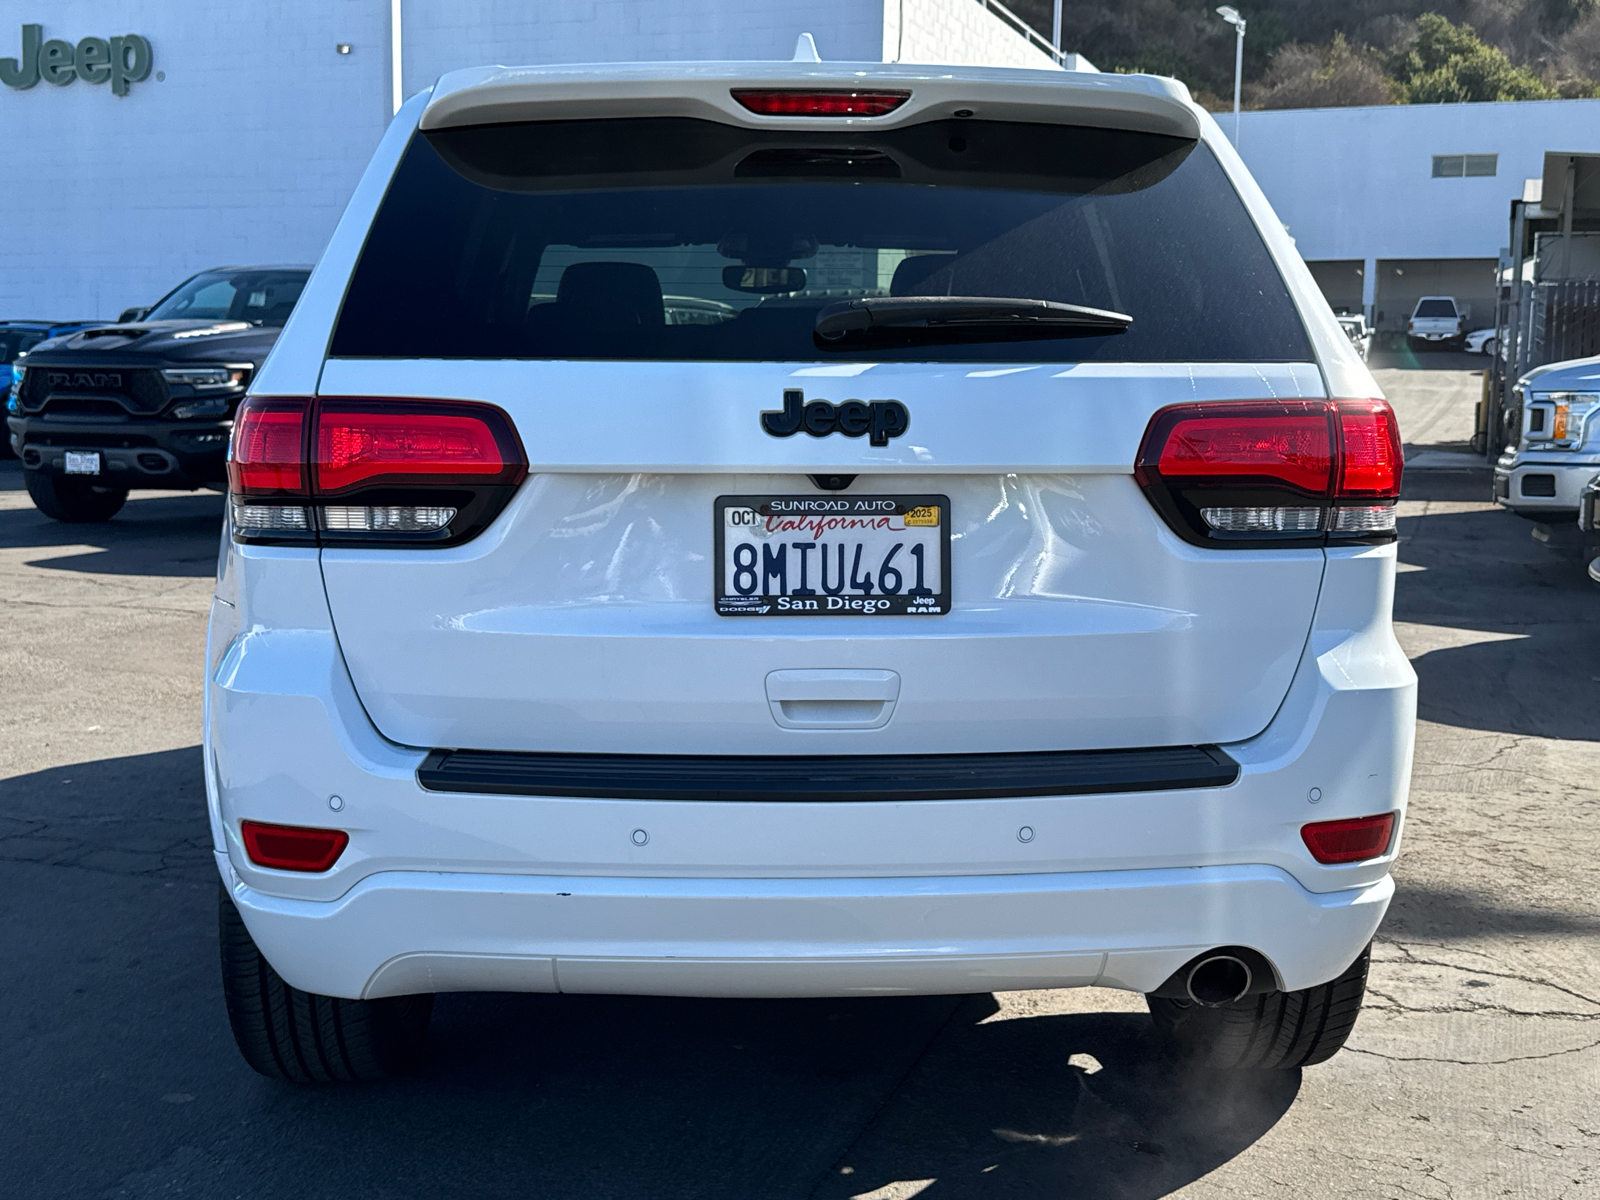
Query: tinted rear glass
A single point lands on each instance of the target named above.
(1436, 308)
(614, 239)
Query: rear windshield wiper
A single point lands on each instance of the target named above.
(961, 318)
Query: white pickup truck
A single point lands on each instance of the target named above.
(1435, 320)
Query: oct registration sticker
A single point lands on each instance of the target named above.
(832, 556)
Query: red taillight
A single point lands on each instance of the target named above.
(826, 102)
(407, 443)
(1290, 444)
(269, 448)
(1371, 461)
(342, 471)
(1279, 472)
(292, 847)
(1353, 840)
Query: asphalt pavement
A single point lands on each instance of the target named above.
(1474, 1072)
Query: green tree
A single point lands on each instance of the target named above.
(1451, 64)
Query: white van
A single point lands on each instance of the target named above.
(989, 588)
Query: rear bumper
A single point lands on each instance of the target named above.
(449, 890)
(133, 454)
(397, 933)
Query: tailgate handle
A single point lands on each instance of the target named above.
(832, 699)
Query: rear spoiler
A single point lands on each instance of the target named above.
(499, 95)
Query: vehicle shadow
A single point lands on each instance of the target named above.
(1399, 356)
(1516, 628)
(108, 962)
(1423, 913)
(1081, 1104)
(154, 534)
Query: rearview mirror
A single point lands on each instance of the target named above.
(764, 280)
(132, 314)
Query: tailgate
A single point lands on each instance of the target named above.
(584, 619)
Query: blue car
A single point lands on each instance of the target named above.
(18, 337)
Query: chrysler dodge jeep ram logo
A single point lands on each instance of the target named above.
(119, 61)
(882, 419)
(84, 379)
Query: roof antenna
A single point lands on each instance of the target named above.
(805, 49)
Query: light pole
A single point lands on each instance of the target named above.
(1231, 15)
(1055, 31)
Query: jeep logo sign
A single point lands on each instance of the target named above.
(881, 419)
(119, 61)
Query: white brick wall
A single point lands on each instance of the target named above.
(958, 32)
(248, 149)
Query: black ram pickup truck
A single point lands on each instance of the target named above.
(147, 402)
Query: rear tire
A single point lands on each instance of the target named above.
(74, 500)
(285, 1033)
(1274, 1031)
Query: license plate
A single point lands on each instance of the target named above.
(83, 462)
(832, 556)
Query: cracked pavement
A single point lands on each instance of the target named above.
(1473, 1072)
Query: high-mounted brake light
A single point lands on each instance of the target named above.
(1280, 472)
(292, 847)
(400, 472)
(1355, 839)
(825, 102)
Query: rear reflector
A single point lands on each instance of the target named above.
(1280, 472)
(819, 103)
(1352, 840)
(292, 847)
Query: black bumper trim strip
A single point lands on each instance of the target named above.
(821, 778)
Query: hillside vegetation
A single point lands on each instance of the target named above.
(1312, 53)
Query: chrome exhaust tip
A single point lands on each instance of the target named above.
(1218, 980)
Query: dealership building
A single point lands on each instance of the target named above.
(147, 139)
(1393, 203)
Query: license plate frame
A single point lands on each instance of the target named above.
(846, 602)
(82, 462)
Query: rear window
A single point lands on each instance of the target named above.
(680, 239)
(1436, 308)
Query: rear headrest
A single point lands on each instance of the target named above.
(913, 271)
(611, 293)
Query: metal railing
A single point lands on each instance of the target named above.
(1026, 30)
(1535, 324)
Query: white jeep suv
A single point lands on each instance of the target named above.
(805, 530)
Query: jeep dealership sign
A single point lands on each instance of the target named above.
(119, 61)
